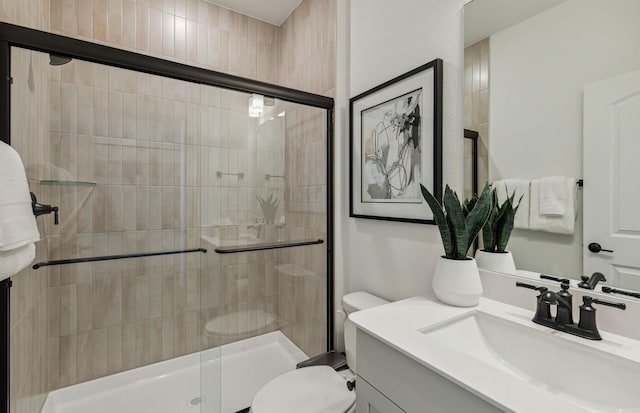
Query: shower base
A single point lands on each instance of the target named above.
(219, 380)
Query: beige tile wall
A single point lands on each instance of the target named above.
(302, 271)
(30, 13)
(307, 48)
(307, 62)
(476, 107)
(189, 31)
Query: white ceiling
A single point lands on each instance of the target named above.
(271, 11)
(482, 18)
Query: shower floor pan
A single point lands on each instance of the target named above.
(220, 380)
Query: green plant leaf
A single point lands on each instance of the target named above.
(472, 202)
(441, 220)
(458, 224)
(478, 217)
(488, 238)
(503, 232)
(468, 204)
(488, 231)
(497, 230)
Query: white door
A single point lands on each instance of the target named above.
(612, 179)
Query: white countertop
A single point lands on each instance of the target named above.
(399, 325)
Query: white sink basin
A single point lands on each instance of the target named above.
(593, 378)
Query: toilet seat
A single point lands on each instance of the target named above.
(317, 389)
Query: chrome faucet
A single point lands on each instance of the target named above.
(563, 321)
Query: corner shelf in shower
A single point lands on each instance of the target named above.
(58, 182)
(266, 246)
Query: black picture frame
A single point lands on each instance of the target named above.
(419, 94)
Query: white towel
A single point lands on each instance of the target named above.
(553, 195)
(17, 223)
(521, 188)
(559, 224)
(14, 261)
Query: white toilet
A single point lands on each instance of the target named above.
(318, 389)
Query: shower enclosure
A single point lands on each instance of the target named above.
(194, 222)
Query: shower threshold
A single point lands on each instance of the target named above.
(219, 380)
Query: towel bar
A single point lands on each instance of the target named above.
(270, 246)
(114, 257)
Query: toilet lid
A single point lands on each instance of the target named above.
(317, 389)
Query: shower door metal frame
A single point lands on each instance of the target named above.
(17, 36)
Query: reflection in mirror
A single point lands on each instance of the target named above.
(539, 78)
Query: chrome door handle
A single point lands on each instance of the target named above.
(596, 248)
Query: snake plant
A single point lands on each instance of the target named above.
(459, 224)
(497, 230)
(269, 207)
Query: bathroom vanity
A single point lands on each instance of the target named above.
(418, 355)
(391, 382)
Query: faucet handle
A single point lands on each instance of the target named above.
(587, 324)
(588, 300)
(552, 278)
(543, 308)
(531, 287)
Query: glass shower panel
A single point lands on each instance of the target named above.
(122, 154)
(139, 163)
(271, 312)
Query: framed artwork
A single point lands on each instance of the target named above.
(396, 145)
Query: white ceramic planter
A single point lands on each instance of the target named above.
(496, 261)
(457, 282)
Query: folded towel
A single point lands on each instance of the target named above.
(559, 224)
(553, 195)
(17, 222)
(521, 188)
(14, 261)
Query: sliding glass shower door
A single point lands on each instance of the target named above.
(268, 233)
(192, 250)
(120, 153)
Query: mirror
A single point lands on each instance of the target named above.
(527, 66)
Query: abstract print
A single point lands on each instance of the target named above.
(391, 148)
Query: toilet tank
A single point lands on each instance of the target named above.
(351, 303)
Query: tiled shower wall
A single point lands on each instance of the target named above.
(476, 108)
(29, 13)
(307, 62)
(190, 31)
(303, 271)
(307, 48)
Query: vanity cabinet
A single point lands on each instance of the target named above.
(389, 382)
(370, 400)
